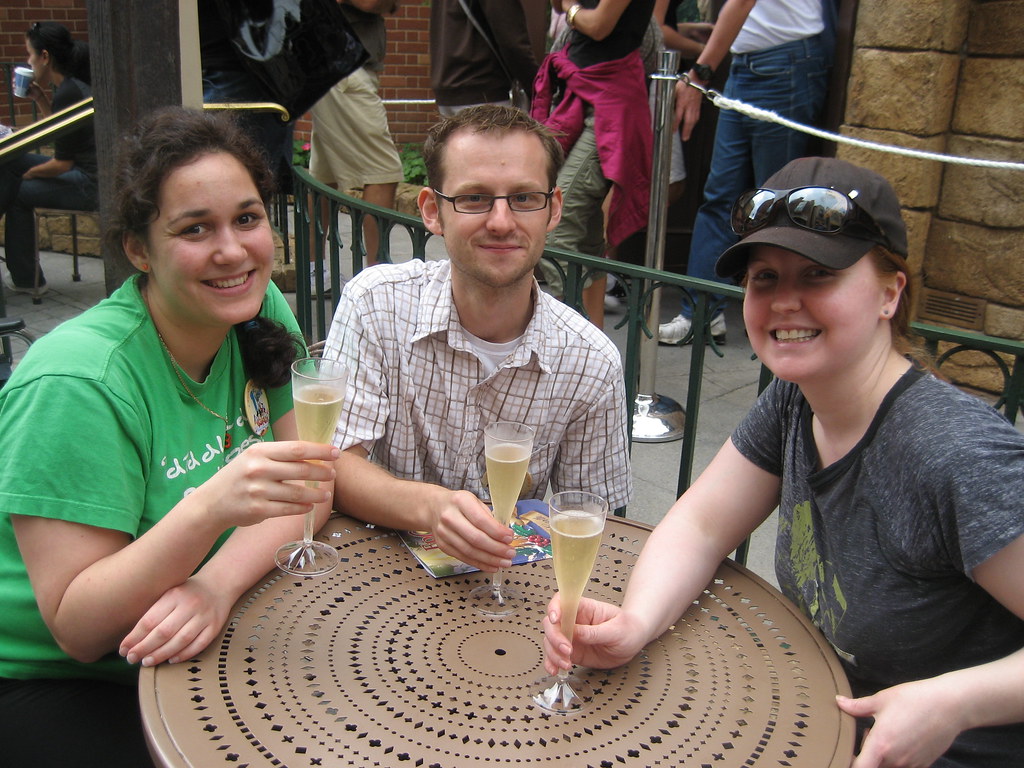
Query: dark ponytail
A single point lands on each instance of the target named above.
(268, 350)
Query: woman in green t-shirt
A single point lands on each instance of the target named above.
(140, 498)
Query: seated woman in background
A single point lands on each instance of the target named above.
(66, 180)
(900, 528)
(140, 497)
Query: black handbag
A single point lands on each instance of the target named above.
(298, 49)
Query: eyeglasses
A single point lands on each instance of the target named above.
(819, 209)
(520, 202)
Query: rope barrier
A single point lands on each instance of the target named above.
(766, 115)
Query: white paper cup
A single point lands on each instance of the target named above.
(22, 80)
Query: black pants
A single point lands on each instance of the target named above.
(70, 723)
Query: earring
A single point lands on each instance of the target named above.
(885, 312)
(145, 268)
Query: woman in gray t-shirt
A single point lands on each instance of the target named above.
(901, 534)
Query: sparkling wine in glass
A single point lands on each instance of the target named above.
(507, 449)
(577, 525)
(318, 392)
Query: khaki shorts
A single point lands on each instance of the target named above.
(350, 144)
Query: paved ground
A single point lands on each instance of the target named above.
(728, 391)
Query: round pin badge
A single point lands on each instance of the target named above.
(257, 409)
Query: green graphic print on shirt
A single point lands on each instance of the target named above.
(810, 575)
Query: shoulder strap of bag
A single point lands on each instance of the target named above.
(487, 38)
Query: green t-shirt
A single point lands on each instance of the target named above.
(97, 429)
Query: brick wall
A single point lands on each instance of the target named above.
(406, 74)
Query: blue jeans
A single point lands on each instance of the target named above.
(74, 190)
(789, 79)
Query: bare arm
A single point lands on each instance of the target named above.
(461, 524)
(916, 722)
(189, 616)
(93, 585)
(49, 169)
(42, 99)
(726, 503)
(598, 22)
(730, 22)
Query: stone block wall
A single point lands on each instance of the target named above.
(948, 76)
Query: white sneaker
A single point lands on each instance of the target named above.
(614, 295)
(678, 328)
(327, 283)
(28, 290)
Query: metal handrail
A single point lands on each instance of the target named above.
(1010, 397)
(47, 128)
(249, 106)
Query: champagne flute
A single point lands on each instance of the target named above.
(318, 391)
(507, 449)
(577, 524)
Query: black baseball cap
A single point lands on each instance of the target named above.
(871, 193)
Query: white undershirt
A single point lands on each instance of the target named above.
(490, 354)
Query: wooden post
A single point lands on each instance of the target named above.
(136, 64)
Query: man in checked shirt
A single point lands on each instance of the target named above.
(437, 350)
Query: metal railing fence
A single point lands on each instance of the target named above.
(315, 205)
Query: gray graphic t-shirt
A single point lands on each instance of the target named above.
(878, 548)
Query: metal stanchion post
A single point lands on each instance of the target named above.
(656, 418)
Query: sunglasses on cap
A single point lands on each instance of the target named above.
(819, 209)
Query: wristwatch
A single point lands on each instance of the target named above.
(570, 15)
(704, 72)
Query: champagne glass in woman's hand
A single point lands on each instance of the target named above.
(318, 391)
(507, 448)
(577, 524)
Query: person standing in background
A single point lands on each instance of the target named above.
(592, 94)
(351, 144)
(464, 70)
(780, 62)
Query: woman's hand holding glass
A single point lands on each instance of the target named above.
(318, 391)
(604, 636)
(577, 525)
(268, 480)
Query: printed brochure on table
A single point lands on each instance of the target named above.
(532, 542)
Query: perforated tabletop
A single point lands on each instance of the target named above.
(379, 664)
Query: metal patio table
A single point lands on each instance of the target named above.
(380, 664)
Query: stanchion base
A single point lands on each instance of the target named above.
(657, 419)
